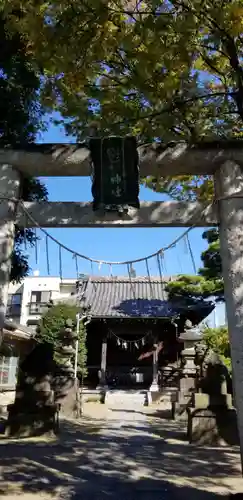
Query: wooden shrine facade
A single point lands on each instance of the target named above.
(132, 323)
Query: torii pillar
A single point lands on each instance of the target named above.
(9, 187)
(229, 192)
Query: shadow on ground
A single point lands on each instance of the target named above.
(93, 461)
(162, 413)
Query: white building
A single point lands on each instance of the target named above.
(28, 300)
(26, 303)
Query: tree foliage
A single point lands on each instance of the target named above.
(192, 289)
(218, 340)
(183, 187)
(82, 353)
(20, 119)
(52, 323)
(209, 281)
(156, 69)
(151, 82)
(211, 258)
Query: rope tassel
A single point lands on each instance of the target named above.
(161, 275)
(47, 257)
(162, 260)
(25, 228)
(36, 247)
(191, 254)
(76, 264)
(129, 266)
(60, 262)
(149, 277)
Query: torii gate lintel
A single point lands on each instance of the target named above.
(158, 160)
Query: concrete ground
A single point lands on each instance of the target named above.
(122, 454)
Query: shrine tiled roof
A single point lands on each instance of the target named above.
(117, 297)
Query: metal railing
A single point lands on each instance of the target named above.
(37, 307)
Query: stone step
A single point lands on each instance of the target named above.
(125, 398)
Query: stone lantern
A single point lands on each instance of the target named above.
(187, 383)
(190, 337)
(68, 337)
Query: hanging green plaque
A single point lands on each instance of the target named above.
(115, 185)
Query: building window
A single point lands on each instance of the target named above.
(35, 297)
(8, 370)
(14, 304)
(38, 301)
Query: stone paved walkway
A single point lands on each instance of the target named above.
(121, 454)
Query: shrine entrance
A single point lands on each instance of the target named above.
(128, 354)
(130, 345)
(223, 159)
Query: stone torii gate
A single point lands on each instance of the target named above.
(224, 160)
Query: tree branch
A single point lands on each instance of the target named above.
(176, 105)
(235, 64)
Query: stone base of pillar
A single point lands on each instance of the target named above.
(154, 386)
(153, 396)
(148, 401)
(153, 393)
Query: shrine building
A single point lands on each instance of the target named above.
(132, 320)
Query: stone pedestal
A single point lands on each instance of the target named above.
(34, 412)
(43, 421)
(212, 420)
(211, 415)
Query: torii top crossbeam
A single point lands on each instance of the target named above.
(157, 160)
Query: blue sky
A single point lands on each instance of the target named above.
(112, 244)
